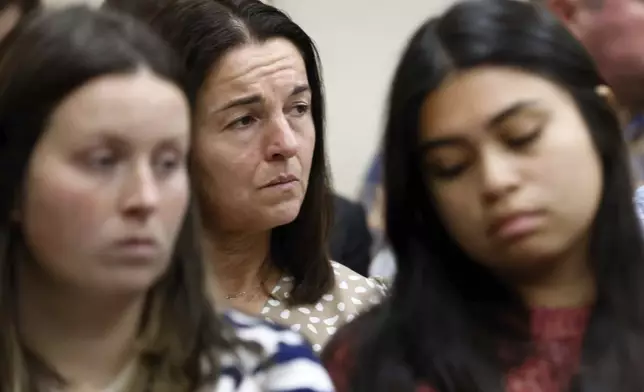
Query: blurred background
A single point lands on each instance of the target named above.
(355, 97)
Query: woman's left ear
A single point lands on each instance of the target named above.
(607, 94)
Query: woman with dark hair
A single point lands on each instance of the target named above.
(101, 281)
(509, 208)
(259, 161)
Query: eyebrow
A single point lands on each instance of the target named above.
(491, 123)
(257, 98)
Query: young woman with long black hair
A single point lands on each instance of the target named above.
(509, 207)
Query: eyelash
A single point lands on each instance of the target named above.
(516, 143)
(523, 141)
(237, 123)
(304, 108)
(105, 161)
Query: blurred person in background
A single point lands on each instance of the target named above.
(350, 239)
(508, 207)
(259, 163)
(383, 263)
(101, 279)
(613, 32)
(11, 11)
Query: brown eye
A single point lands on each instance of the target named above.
(242, 122)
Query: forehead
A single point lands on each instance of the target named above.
(138, 105)
(467, 100)
(273, 64)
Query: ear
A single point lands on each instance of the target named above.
(567, 11)
(607, 94)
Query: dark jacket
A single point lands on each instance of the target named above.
(350, 240)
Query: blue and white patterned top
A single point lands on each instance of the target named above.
(639, 203)
(281, 361)
(634, 134)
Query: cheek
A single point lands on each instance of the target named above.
(60, 219)
(460, 212)
(307, 148)
(572, 182)
(568, 164)
(175, 204)
(223, 180)
(616, 43)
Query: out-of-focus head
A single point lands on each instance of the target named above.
(11, 11)
(259, 158)
(79, 180)
(613, 32)
(95, 133)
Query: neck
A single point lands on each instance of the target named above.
(86, 339)
(569, 283)
(237, 261)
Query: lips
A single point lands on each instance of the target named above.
(282, 179)
(136, 248)
(516, 225)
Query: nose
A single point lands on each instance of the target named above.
(499, 175)
(282, 142)
(141, 193)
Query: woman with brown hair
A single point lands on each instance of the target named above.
(509, 208)
(259, 162)
(101, 280)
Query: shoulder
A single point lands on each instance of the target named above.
(347, 279)
(270, 357)
(638, 199)
(339, 356)
(353, 293)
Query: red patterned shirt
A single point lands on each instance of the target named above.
(557, 334)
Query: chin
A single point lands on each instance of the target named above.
(283, 214)
(126, 283)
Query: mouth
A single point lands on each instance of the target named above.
(136, 248)
(515, 226)
(281, 180)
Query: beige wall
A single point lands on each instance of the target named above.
(359, 42)
(60, 3)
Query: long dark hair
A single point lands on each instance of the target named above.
(46, 58)
(450, 322)
(203, 31)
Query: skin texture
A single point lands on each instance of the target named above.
(524, 150)
(242, 148)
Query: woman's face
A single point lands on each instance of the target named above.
(511, 164)
(107, 187)
(255, 138)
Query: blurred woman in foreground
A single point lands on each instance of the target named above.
(101, 281)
